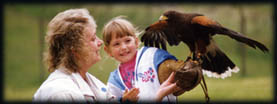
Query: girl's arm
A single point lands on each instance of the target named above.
(167, 88)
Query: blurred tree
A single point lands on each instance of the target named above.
(242, 47)
(41, 42)
(37, 11)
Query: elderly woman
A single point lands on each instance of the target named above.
(73, 49)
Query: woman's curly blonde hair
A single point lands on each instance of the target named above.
(65, 38)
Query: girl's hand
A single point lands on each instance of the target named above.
(131, 95)
(167, 88)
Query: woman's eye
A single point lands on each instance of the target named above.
(92, 39)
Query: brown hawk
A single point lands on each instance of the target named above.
(196, 30)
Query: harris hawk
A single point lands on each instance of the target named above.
(197, 30)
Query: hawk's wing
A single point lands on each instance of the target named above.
(215, 28)
(159, 33)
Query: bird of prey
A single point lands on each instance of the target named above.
(197, 30)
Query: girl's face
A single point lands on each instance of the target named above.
(94, 44)
(123, 49)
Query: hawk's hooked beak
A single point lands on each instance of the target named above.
(163, 18)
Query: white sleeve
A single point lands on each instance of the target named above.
(117, 92)
(66, 96)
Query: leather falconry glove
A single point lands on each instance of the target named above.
(188, 74)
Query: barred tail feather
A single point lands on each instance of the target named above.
(217, 64)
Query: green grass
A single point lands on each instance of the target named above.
(21, 46)
(19, 94)
(233, 89)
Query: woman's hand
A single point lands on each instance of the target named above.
(131, 95)
(167, 88)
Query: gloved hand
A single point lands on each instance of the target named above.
(188, 74)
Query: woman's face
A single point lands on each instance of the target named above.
(94, 44)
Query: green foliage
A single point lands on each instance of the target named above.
(22, 56)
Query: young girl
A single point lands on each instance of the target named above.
(137, 68)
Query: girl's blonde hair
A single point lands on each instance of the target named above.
(65, 37)
(120, 27)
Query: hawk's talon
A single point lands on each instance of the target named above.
(198, 55)
(196, 62)
(188, 58)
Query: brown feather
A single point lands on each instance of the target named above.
(196, 30)
(203, 20)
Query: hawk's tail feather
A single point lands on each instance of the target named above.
(218, 65)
